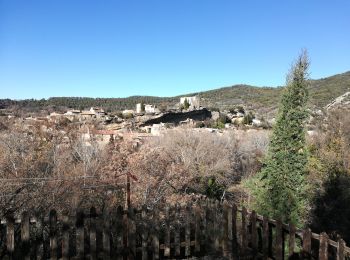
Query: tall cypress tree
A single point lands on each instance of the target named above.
(281, 189)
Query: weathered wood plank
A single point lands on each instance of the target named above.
(80, 234)
(265, 238)
(25, 236)
(92, 236)
(65, 236)
(291, 246)
(279, 241)
(323, 250)
(53, 234)
(106, 242)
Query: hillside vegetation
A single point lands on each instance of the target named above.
(263, 100)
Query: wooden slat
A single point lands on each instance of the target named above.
(279, 241)
(341, 249)
(144, 235)
(177, 231)
(119, 233)
(216, 225)
(80, 234)
(132, 233)
(25, 249)
(265, 238)
(106, 243)
(197, 236)
(307, 241)
(65, 237)
(167, 232)
(10, 235)
(234, 230)
(92, 236)
(323, 250)
(225, 228)
(155, 234)
(244, 240)
(254, 235)
(188, 217)
(53, 234)
(291, 243)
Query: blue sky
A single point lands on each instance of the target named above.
(114, 48)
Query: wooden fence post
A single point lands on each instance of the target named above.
(254, 236)
(216, 224)
(167, 232)
(265, 238)
(225, 223)
(234, 231)
(155, 234)
(291, 239)
(323, 251)
(177, 231)
(119, 250)
(187, 215)
(279, 241)
(10, 235)
(93, 215)
(340, 250)
(144, 233)
(132, 233)
(53, 234)
(80, 234)
(25, 249)
(307, 241)
(65, 237)
(244, 242)
(197, 236)
(105, 236)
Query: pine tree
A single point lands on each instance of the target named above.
(281, 185)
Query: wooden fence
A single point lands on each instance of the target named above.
(205, 229)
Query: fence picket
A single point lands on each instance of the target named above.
(291, 239)
(244, 241)
(279, 241)
(10, 236)
(187, 230)
(225, 224)
(105, 236)
(265, 238)
(65, 237)
(234, 230)
(132, 233)
(341, 249)
(254, 236)
(155, 235)
(144, 233)
(80, 234)
(53, 234)
(25, 249)
(307, 241)
(92, 237)
(177, 231)
(119, 233)
(323, 251)
(167, 233)
(197, 236)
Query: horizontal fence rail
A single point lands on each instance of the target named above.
(206, 228)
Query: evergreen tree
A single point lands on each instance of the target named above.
(280, 191)
(186, 104)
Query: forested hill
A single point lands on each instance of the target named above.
(263, 99)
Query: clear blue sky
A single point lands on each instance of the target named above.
(114, 48)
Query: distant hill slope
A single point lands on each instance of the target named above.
(262, 100)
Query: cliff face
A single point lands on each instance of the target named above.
(176, 118)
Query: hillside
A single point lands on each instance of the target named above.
(262, 100)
